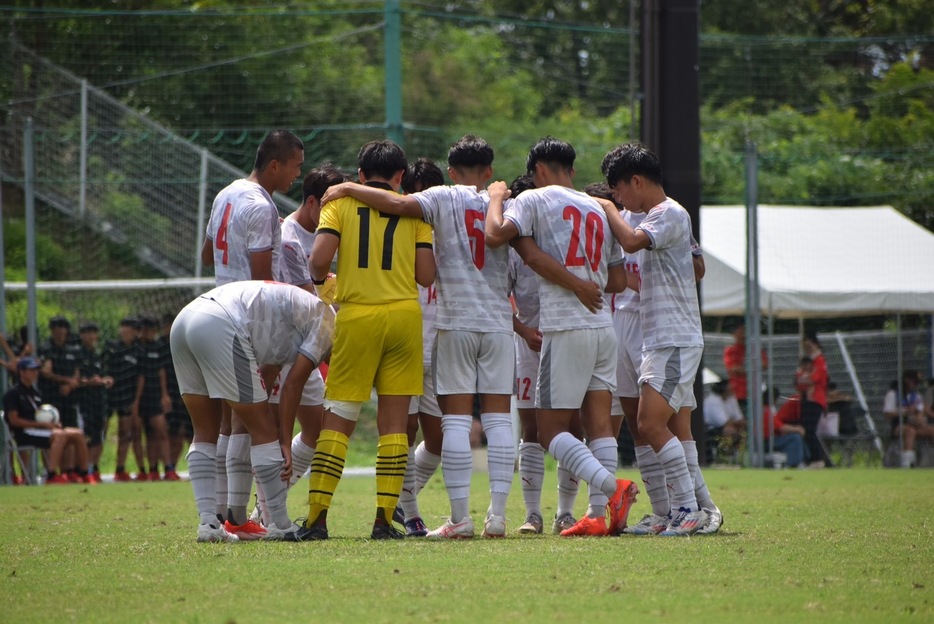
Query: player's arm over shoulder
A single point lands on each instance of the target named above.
(425, 266)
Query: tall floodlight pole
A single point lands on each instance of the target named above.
(753, 328)
(3, 378)
(393, 58)
(670, 116)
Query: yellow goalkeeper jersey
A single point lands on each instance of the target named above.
(376, 255)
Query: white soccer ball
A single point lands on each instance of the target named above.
(47, 414)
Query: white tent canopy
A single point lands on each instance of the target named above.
(816, 261)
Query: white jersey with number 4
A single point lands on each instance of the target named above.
(668, 297)
(472, 281)
(244, 220)
(572, 228)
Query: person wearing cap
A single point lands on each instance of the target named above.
(91, 394)
(20, 404)
(121, 363)
(59, 378)
(152, 400)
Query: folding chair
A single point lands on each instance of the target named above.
(27, 456)
(857, 438)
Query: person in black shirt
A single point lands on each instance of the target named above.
(91, 395)
(178, 419)
(152, 400)
(59, 379)
(121, 363)
(20, 404)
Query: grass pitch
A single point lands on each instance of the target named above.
(796, 546)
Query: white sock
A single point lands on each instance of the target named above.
(220, 475)
(261, 500)
(532, 473)
(568, 485)
(701, 493)
(203, 474)
(267, 462)
(605, 450)
(680, 484)
(580, 461)
(501, 458)
(239, 477)
(653, 476)
(426, 464)
(408, 497)
(457, 462)
(301, 458)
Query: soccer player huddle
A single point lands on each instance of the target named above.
(582, 306)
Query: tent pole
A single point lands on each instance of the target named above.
(901, 385)
(769, 383)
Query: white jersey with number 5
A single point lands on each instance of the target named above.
(572, 228)
(472, 281)
(244, 220)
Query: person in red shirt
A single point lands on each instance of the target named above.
(786, 425)
(734, 360)
(814, 399)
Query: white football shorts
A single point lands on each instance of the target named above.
(468, 362)
(427, 402)
(312, 393)
(671, 371)
(211, 358)
(628, 326)
(526, 374)
(575, 362)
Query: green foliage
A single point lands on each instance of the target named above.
(835, 155)
(836, 95)
(50, 256)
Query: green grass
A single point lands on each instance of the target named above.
(804, 546)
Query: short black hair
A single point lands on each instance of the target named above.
(521, 184)
(278, 145)
(168, 318)
(602, 190)
(470, 152)
(422, 174)
(552, 152)
(88, 326)
(130, 321)
(321, 179)
(59, 321)
(148, 321)
(381, 159)
(629, 159)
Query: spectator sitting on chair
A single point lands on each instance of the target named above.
(786, 423)
(908, 416)
(722, 415)
(20, 405)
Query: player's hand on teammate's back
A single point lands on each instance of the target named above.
(590, 294)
